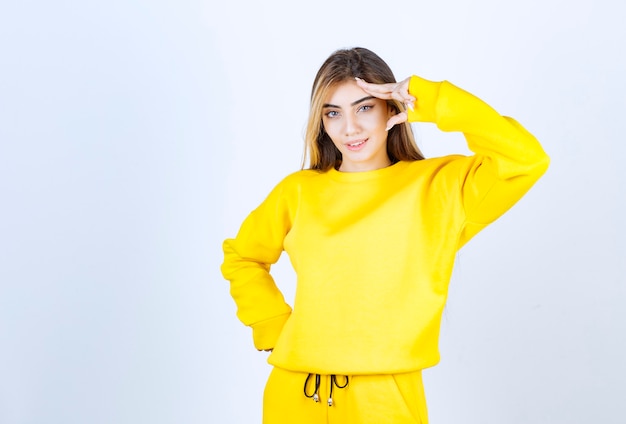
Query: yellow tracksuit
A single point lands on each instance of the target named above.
(373, 251)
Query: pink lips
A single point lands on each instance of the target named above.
(356, 145)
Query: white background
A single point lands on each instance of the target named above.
(136, 135)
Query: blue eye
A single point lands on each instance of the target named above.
(365, 108)
(332, 114)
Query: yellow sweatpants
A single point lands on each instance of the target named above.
(366, 399)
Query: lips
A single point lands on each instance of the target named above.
(356, 145)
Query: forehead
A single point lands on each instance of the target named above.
(344, 93)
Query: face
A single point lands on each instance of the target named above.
(356, 123)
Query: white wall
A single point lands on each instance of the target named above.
(135, 136)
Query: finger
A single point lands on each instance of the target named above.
(403, 90)
(403, 97)
(397, 91)
(382, 91)
(410, 105)
(407, 98)
(396, 119)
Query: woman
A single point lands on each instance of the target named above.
(371, 229)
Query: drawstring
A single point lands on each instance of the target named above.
(333, 382)
(315, 395)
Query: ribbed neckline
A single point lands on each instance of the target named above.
(366, 175)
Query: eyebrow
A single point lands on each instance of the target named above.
(351, 104)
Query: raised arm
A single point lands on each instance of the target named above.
(507, 159)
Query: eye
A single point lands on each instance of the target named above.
(331, 114)
(365, 108)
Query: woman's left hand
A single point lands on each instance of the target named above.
(392, 91)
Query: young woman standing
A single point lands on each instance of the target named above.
(371, 229)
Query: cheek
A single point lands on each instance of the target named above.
(331, 130)
(331, 127)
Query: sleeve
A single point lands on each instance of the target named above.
(507, 159)
(247, 261)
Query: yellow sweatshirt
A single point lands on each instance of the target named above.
(373, 251)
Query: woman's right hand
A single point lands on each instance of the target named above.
(391, 91)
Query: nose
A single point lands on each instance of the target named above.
(352, 126)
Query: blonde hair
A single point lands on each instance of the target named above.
(344, 65)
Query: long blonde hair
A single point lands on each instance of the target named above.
(344, 65)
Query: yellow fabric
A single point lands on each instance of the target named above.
(367, 399)
(373, 251)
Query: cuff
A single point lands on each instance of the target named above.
(426, 93)
(265, 333)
